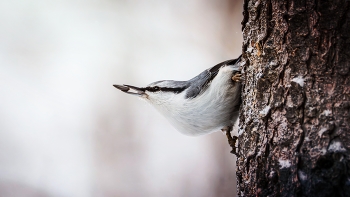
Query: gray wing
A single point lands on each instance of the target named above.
(203, 80)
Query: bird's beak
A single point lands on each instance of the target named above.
(131, 90)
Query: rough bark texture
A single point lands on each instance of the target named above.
(295, 119)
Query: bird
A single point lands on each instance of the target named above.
(204, 104)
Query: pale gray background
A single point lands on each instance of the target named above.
(66, 131)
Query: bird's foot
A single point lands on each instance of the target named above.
(231, 139)
(237, 77)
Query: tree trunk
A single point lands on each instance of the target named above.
(295, 117)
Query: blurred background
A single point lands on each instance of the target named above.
(65, 131)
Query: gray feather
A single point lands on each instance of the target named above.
(202, 81)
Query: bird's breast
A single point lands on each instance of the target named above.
(208, 112)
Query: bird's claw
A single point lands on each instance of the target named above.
(231, 139)
(237, 77)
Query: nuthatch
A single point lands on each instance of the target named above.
(201, 105)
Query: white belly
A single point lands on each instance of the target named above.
(216, 108)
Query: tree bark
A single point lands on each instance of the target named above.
(294, 130)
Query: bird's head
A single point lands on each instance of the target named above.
(157, 93)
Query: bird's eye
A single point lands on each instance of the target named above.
(156, 88)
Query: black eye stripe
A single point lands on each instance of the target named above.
(153, 89)
(156, 89)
